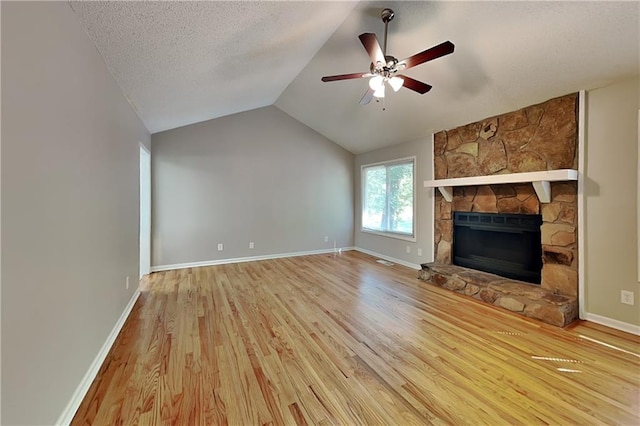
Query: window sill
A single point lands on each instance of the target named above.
(411, 238)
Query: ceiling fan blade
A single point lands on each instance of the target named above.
(427, 55)
(372, 46)
(367, 97)
(415, 85)
(346, 76)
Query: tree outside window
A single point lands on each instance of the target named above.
(388, 197)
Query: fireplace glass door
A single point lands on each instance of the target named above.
(504, 244)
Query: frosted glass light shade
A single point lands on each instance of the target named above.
(396, 83)
(376, 82)
(379, 92)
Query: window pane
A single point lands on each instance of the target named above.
(400, 181)
(387, 201)
(374, 198)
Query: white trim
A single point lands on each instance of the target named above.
(389, 258)
(582, 268)
(433, 228)
(613, 323)
(638, 195)
(175, 266)
(540, 181)
(390, 162)
(81, 391)
(390, 234)
(0, 238)
(404, 160)
(433, 201)
(446, 191)
(545, 175)
(143, 146)
(414, 219)
(543, 190)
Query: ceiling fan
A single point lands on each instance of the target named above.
(385, 68)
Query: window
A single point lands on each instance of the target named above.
(387, 198)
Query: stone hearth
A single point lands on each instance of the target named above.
(516, 296)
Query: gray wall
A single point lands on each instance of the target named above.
(69, 207)
(258, 176)
(392, 247)
(611, 200)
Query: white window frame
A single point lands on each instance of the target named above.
(390, 234)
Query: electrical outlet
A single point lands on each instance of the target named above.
(127, 283)
(408, 249)
(251, 245)
(326, 238)
(419, 252)
(626, 297)
(220, 247)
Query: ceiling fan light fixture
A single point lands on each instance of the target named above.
(385, 68)
(376, 82)
(379, 92)
(396, 83)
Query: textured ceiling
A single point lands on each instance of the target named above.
(181, 62)
(184, 62)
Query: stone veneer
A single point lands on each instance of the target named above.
(536, 138)
(516, 296)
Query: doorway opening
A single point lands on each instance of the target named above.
(145, 211)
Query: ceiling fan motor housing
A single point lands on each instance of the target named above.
(385, 70)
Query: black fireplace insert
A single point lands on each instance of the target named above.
(504, 244)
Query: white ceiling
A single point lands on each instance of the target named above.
(185, 62)
(182, 62)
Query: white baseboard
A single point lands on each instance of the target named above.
(245, 259)
(389, 258)
(609, 322)
(81, 391)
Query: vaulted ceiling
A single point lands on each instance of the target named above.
(183, 62)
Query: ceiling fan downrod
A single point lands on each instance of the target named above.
(387, 16)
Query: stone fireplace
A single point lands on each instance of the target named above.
(538, 138)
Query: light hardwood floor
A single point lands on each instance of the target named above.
(341, 339)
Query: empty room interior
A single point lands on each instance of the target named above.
(320, 212)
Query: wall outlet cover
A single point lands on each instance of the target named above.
(626, 297)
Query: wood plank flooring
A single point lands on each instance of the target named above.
(341, 339)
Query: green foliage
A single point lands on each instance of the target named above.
(388, 192)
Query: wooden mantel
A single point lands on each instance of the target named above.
(540, 180)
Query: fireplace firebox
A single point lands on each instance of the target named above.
(504, 244)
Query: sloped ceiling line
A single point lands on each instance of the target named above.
(185, 62)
